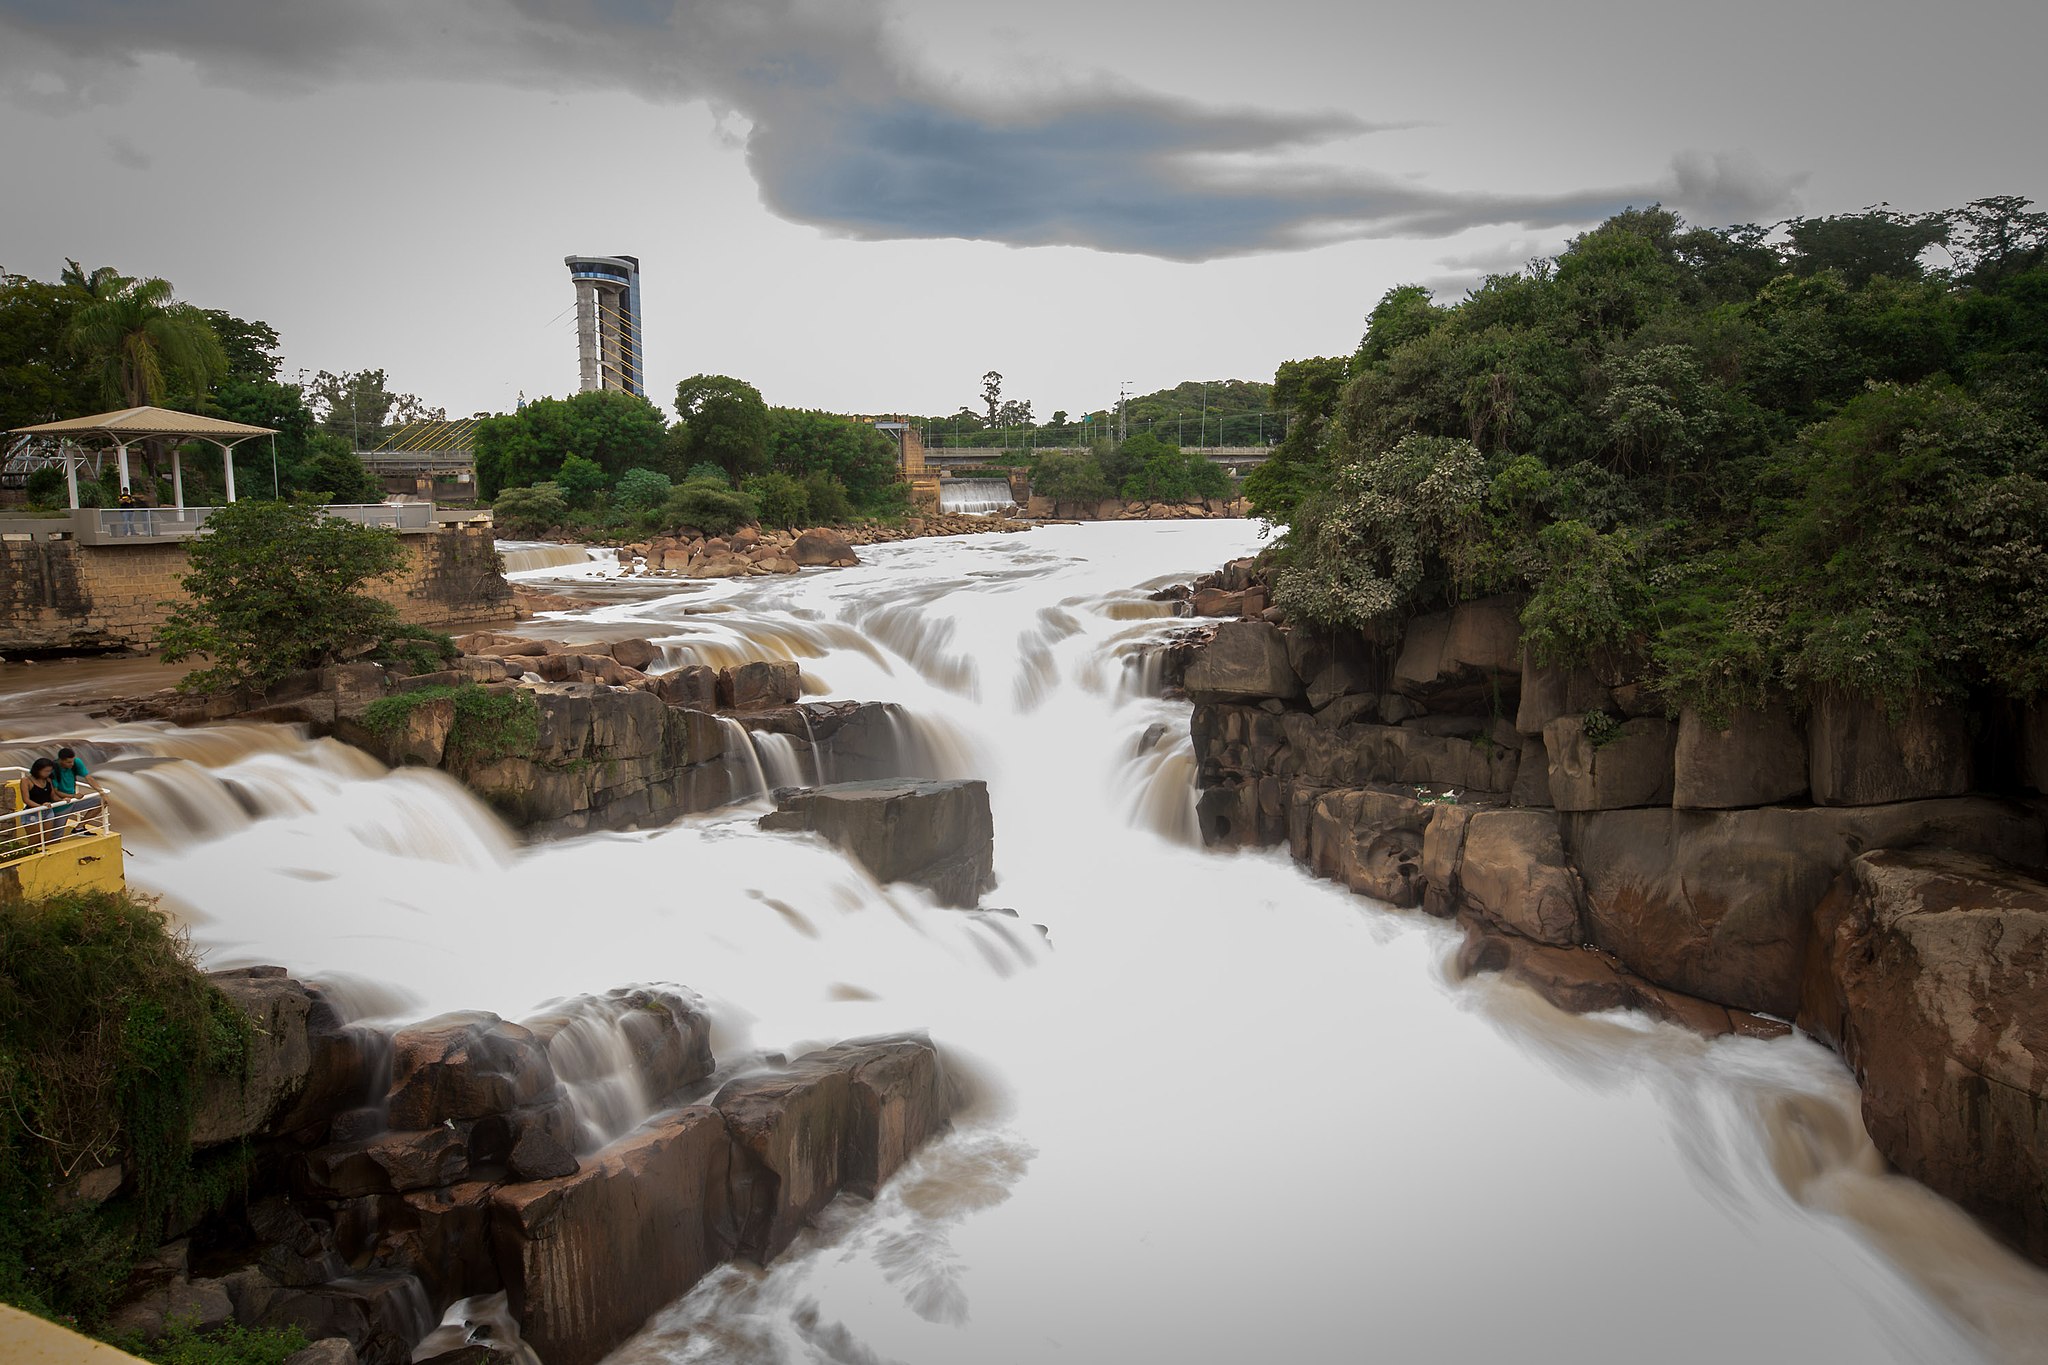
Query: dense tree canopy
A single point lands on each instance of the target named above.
(616, 431)
(725, 423)
(1751, 460)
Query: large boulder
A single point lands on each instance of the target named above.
(842, 1119)
(464, 1066)
(1463, 659)
(1627, 766)
(1718, 903)
(1930, 973)
(1583, 980)
(1332, 664)
(1513, 871)
(1243, 659)
(1372, 842)
(1550, 691)
(937, 834)
(760, 685)
(588, 1258)
(303, 1061)
(693, 685)
(823, 548)
(1755, 758)
(1353, 754)
(1865, 754)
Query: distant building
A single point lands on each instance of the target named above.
(608, 350)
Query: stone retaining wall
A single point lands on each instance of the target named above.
(64, 596)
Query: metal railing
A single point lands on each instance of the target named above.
(117, 524)
(35, 829)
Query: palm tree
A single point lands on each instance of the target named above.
(137, 337)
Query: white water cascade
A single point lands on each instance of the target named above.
(525, 559)
(1222, 1112)
(975, 497)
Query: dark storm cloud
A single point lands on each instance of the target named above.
(845, 135)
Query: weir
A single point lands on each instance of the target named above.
(975, 497)
(1132, 1048)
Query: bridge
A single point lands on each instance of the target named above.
(421, 454)
(973, 457)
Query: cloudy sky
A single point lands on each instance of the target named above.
(862, 206)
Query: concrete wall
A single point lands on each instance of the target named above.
(60, 596)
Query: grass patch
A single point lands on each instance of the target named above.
(233, 1344)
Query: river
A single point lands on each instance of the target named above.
(1221, 1111)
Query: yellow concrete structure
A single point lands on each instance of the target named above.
(27, 1340)
(83, 862)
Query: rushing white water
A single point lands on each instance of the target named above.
(1222, 1112)
(975, 497)
(529, 559)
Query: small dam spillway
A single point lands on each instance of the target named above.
(975, 497)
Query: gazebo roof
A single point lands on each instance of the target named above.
(135, 423)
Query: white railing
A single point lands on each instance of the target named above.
(25, 833)
(182, 523)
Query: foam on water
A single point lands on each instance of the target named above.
(1221, 1111)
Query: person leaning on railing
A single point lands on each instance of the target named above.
(70, 768)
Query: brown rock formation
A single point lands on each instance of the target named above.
(1930, 973)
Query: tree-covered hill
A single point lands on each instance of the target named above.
(1751, 459)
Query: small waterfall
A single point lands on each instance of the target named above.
(603, 1048)
(782, 760)
(524, 556)
(975, 497)
(1144, 672)
(743, 761)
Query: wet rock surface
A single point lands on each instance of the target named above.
(1929, 971)
(935, 834)
(495, 1186)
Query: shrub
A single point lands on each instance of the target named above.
(276, 587)
(107, 1031)
(641, 489)
(1389, 532)
(419, 649)
(707, 473)
(233, 1344)
(1172, 475)
(490, 723)
(46, 487)
(531, 510)
(781, 499)
(708, 507)
(338, 476)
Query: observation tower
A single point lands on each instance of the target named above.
(608, 322)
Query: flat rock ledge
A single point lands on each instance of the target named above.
(393, 1174)
(935, 834)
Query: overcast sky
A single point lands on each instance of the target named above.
(863, 206)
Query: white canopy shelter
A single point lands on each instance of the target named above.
(124, 428)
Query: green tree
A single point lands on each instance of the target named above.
(360, 406)
(781, 500)
(641, 489)
(859, 457)
(616, 431)
(332, 473)
(709, 507)
(530, 510)
(41, 378)
(275, 587)
(138, 341)
(725, 422)
(1403, 314)
(1068, 476)
(829, 503)
(581, 480)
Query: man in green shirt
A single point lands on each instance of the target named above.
(70, 767)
